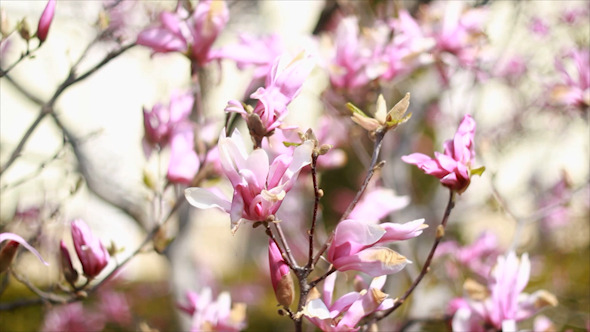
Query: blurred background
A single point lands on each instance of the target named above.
(87, 162)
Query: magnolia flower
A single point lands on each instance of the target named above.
(72, 317)
(191, 35)
(209, 315)
(92, 254)
(502, 303)
(383, 119)
(574, 91)
(9, 250)
(160, 122)
(184, 162)
(453, 167)
(280, 276)
(346, 312)
(353, 246)
(283, 84)
(45, 20)
(378, 203)
(259, 186)
(476, 257)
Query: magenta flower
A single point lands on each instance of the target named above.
(478, 257)
(353, 246)
(502, 303)
(72, 317)
(45, 20)
(453, 167)
(212, 315)
(283, 84)
(9, 250)
(184, 162)
(259, 187)
(193, 35)
(92, 254)
(347, 311)
(280, 276)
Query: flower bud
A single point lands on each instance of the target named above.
(23, 29)
(67, 268)
(281, 279)
(45, 20)
(7, 255)
(92, 254)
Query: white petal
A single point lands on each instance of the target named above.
(204, 199)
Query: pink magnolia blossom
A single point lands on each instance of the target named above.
(91, 252)
(453, 167)
(478, 257)
(377, 204)
(184, 162)
(502, 303)
(160, 122)
(283, 84)
(211, 315)
(539, 27)
(346, 312)
(280, 276)
(9, 250)
(574, 91)
(45, 20)
(193, 35)
(354, 246)
(259, 186)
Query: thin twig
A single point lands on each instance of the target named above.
(372, 167)
(316, 203)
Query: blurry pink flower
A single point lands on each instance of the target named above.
(45, 20)
(184, 162)
(575, 89)
(283, 84)
(72, 318)
(193, 35)
(378, 203)
(92, 254)
(280, 276)
(347, 311)
(259, 188)
(478, 257)
(453, 167)
(503, 303)
(115, 308)
(512, 69)
(212, 315)
(575, 15)
(259, 53)
(539, 27)
(9, 250)
(353, 246)
(160, 122)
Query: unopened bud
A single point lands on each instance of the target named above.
(23, 29)
(255, 125)
(325, 148)
(5, 28)
(280, 276)
(7, 255)
(45, 20)
(67, 268)
(284, 290)
(440, 231)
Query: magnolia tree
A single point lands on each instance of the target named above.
(314, 193)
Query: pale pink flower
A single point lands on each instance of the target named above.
(354, 246)
(454, 166)
(539, 27)
(193, 35)
(259, 186)
(503, 303)
(184, 162)
(574, 91)
(250, 51)
(280, 276)
(211, 315)
(377, 204)
(90, 250)
(115, 308)
(9, 250)
(346, 312)
(45, 20)
(283, 84)
(512, 69)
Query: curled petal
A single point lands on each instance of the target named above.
(399, 232)
(203, 199)
(374, 261)
(20, 240)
